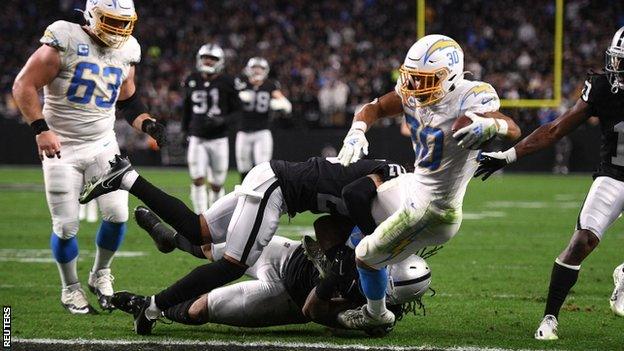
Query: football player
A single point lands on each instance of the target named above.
(432, 93)
(254, 142)
(603, 97)
(247, 217)
(87, 74)
(211, 100)
(283, 290)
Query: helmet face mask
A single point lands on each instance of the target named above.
(432, 66)
(614, 61)
(257, 69)
(210, 59)
(112, 22)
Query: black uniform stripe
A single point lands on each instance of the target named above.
(258, 222)
(413, 281)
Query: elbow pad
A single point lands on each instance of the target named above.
(131, 108)
(281, 104)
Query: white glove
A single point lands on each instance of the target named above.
(479, 131)
(354, 145)
(281, 104)
(246, 96)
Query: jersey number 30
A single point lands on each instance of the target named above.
(83, 96)
(428, 143)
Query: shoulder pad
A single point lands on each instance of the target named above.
(595, 85)
(57, 35)
(480, 97)
(239, 84)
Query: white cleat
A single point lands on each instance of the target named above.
(101, 284)
(75, 300)
(617, 298)
(547, 329)
(361, 319)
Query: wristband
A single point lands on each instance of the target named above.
(39, 126)
(360, 125)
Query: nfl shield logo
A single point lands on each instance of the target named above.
(83, 50)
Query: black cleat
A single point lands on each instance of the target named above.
(127, 302)
(162, 235)
(108, 182)
(142, 324)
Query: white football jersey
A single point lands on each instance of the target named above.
(441, 165)
(79, 104)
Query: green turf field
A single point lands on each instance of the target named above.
(491, 279)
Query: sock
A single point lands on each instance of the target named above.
(183, 244)
(65, 252)
(213, 196)
(108, 239)
(180, 313)
(199, 198)
(374, 284)
(171, 210)
(128, 180)
(562, 279)
(198, 282)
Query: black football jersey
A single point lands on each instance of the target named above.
(316, 184)
(609, 108)
(300, 277)
(209, 105)
(255, 113)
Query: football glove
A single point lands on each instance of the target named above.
(155, 130)
(479, 131)
(491, 162)
(355, 145)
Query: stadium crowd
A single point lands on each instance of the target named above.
(331, 57)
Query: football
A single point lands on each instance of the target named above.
(463, 121)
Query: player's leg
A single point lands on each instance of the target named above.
(218, 160)
(92, 212)
(62, 184)
(253, 223)
(603, 205)
(197, 157)
(110, 234)
(243, 152)
(263, 147)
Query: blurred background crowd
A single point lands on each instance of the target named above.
(329, 56)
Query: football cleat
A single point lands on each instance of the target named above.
(142, 324)
(361, 319)
(127, 302)
(617, 298)
(101, 284)
(312, 250)
(162, 235)
(547, 329)
(74, 299)
(108, 182)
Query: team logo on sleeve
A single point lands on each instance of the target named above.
(83, 50)
(478, 90)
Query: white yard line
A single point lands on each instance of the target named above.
(213, 343)
(45, 255)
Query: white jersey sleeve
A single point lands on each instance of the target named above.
(481, 98)
(133, 51)
(57, 35)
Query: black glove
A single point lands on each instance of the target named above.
(155, 130)
(493, 161)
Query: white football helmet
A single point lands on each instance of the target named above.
(408, 280)
(614, 61)
(111, 21)
(213, 51)
(257, 68)
(431, 67)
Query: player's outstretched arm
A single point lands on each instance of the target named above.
(355, 144)
(325, 312)
(135, 112)
(541, 138)
(40, 69)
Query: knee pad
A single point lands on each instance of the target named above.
(65, 228)
(218, 178)
(115, 208)
(366, 249)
